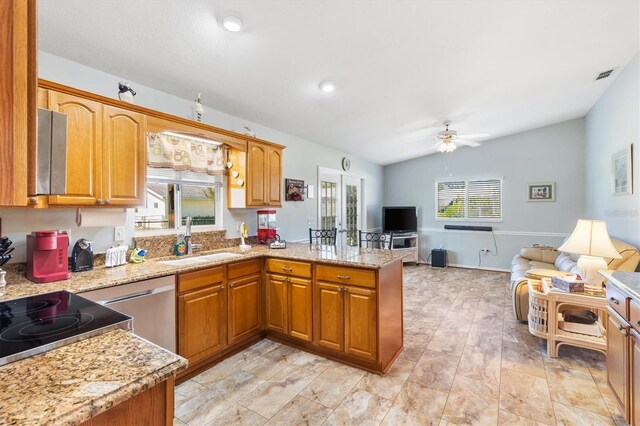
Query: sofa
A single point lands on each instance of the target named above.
(565, 263)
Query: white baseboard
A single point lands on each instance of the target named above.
(482, 268)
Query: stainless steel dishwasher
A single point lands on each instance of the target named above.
(151, 303)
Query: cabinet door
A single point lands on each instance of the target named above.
(256, 174)
(330, 320)
(276, 312)
(84, 149)
(202, 323)
(300, 309)
(244, 308)
(617, 361)
(635, 379)
(360, 322)
(124, 157)
(274, 177)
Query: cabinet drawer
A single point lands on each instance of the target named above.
(241, 269)
(618, 301)
(198, 279)
(351, 276)
(289, 267)
(634, 314)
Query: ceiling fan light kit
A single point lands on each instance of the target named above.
(446, 137)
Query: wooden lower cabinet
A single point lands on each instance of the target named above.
(300, 309)
(151, 407)
(276, 307)
(289, 306)
(617, 359)
(360, 337)
(347, 320)
(330, 314)
(202, 323)
(245, 307)
(634, 361)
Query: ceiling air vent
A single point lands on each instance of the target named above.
(604, 74)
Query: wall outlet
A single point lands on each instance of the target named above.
(485, 250)
(238, 225)
(118, 233)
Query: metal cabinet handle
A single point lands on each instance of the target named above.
(344, 277)
(222, 288)
(108, 200)
(98, 200)
(287, 269)
(230, 285)
(614, 300)
(638, 324)
(625, 333)
(620, 327)
(33, 200)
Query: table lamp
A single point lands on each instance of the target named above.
(590, 239)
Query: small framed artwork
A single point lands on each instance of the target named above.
(543, 191)
(295, 190)
(622, 171)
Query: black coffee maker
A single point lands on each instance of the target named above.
(81, 256)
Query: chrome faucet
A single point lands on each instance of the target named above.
(188, 239)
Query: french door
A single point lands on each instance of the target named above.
(340, 205)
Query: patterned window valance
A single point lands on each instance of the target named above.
(181, 154)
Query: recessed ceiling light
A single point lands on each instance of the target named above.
(232, 23)
(327, 86)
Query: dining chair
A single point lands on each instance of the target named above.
(379, 240)
(326, 237)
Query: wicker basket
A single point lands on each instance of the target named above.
(538, 310)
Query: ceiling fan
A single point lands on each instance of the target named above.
(446, 138)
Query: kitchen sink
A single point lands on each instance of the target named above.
(219, 256)
(200, 259)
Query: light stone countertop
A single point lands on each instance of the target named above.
(73, 383)
(102, 277)
(69, 385)
(627, 282)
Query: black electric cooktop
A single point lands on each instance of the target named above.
(36, 324)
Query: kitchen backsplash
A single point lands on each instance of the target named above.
(162, 245)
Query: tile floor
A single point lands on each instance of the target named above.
(466, 361)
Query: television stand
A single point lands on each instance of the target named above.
(407, 244)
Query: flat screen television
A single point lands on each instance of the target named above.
(399, 219)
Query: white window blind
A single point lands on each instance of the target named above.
(469, 200)
(451, 199)
(485, 199)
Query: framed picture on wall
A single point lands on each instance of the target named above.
(542, 191)
(622, 171)
(294, 190)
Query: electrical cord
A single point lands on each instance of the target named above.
(493, 253)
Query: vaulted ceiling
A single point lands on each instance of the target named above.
(401, 67)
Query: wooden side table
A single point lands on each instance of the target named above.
(544, 306)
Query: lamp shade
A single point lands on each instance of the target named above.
(590, 238)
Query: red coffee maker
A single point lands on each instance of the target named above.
(47, 256)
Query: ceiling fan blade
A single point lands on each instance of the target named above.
(474, 135)
(468, 143)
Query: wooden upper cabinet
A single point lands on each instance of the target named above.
(257, 173)
(84, 149)
(273, 179)
(124, 157)
(261, 169)
(18, 49)
(245, 308)
(360, 322)
(202, 323)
